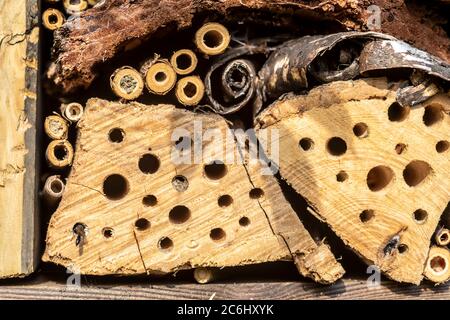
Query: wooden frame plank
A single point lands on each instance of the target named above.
(19, 39)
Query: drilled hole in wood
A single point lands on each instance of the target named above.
(148, 163)
(438, 264)
(179, 214)
(180, 183)
(142, 224)
(400, 148)
(212, 39)
(60, 152)
(215, 170)
(342, 176)
(149, 200)
(361, 130)
(432, 115)
(416, 172)
(398, 113)
(225, 201)
(108, 232)
(336, 146)
(402, 248)
(306, 144)
(217, 234)
(244, 222)
(366, 215)
(379, 177)
(256, 193)
(165, 244)
(79, 228)
(116, 135)
(183, 143)
(442, 146)
(115, 187)
(57, 186)
(420, 215)
(184, 61)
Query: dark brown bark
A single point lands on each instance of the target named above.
(98, 34)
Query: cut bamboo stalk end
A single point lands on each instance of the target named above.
(53, 189)
(56, 127)
(190, 90)
(126, 82)
(437, 268)
(75, 6)
(212, 39)
(93, 2)
(53, 19)
(204, 275)
(442, 237)
(184, 61)
(72, 111)
(160, 77)
(59, 153)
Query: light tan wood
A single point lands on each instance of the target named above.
(383, 200)
(160, 215)
(212, 38)
(437, 268)
(190, 90)
(127, 83)
(18, 66)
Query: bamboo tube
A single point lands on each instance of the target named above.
(53, 189)
(93, 2)
(59, 153)
(212, 39)
(75, 6)
(53, 19)
(184, 61)
(204, 275)
(190, 90)
(72, 111)
(442, 237)
(437, 268)
(56, 127)
(159, 75)
(126, 82)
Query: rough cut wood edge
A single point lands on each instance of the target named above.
(19, 228)
(275, 231)
(286, 115)
(354, 288)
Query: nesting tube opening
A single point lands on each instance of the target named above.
(184, 61)
(127, 83)
(443, 237)
(59, 153)
(56, 127)
(75, 6)
(53, 19)
(212, 39)
(53, 189)
(190, 90)
(72, 111)
(437, 268)
(160, 77)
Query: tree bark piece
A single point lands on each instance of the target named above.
(338, 149)
(143, 213)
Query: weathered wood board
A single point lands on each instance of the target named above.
(164, 210)
(376, 172)
(19, 37)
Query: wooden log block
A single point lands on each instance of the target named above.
(19, 36)
(368, 167)
(149, 204)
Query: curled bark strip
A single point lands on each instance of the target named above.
(383, 54)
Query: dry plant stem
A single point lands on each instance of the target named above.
(205, 275)
(53, 189)
(72, 111)
(190, 61)
(93, 2)
(442, 237)
(53, 19)
(212, 39)
(126, 82)
(190, 90)
(437, 268)
(56, 127)
(75, 6)
(159, 75)
(59, 154)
